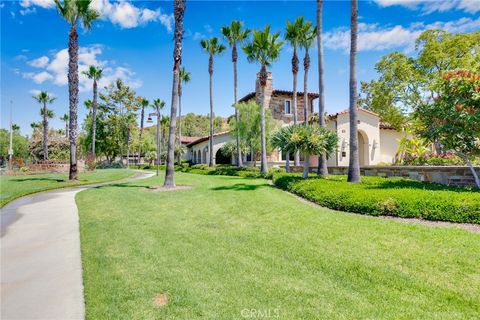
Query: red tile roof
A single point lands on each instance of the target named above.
(201, 139)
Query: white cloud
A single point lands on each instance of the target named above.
(21, 57)
(198, 36)
(376, 37)
(41, 3)
(56, 69)
(430, 6)
(39, 62)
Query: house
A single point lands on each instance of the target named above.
(378, 142)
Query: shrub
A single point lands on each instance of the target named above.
(107, 165)
(387, 196)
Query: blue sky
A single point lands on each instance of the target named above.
(133, 41)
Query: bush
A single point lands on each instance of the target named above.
(107, 165)
(387, 196)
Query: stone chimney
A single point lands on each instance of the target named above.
(268, 90)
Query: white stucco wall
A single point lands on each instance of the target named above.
(218, 142)
(389, 140)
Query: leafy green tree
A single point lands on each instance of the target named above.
(178, 13)
(453, 117)
(264, 48)
(143, 102)
(307, 139)
(45, 98)
(212, 47)
(94, 73)
(235, 34)
(19, 144)
(58, 146)
(73, 11)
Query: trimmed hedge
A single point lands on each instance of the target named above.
(387, 196)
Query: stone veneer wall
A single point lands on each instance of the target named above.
(55, 166)
(451, 175)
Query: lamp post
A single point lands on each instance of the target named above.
(10, 148)
(149, 120)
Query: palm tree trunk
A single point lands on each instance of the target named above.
(159, 141)
(287, 163)
(210, 145)
(322, 158)
(180, 121)
(354, 163)
(128, 147)
(142, 116)
(306, 67)
(296, 157)
(94, 117)
(235, 98)
(263, 164)
(45, 132)
(66, 129)
(306, 166)
(73, 99)
(179, 10)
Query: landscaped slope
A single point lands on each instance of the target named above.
(231, 247)
(13, 187)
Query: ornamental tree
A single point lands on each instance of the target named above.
(453, 116)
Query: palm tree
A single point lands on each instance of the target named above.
(94, 73)
(264, 48)
(143, 103)
(158, 106)
(234, 34)
(353, 164)
(212, 47)
(293, 37)
(64, 118)
(178, 12)
(73, 11)
(44, 98)
(307, 37)
(184, 76)
(322, 158)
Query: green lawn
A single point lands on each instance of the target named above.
(231, 244)
(12, 187)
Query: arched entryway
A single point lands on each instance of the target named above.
(220, 158)
(362, 148)
(199, 156)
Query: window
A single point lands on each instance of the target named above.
(288, 107)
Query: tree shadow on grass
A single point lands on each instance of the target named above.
(123, 185)
(241, 187)
(37, 179)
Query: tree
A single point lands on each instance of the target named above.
(178, 12)
(64, 118)
(212, 47)
(45, 98)
(293, 36)
(322, 158)
(143, 103)
(158, 105)
(264, 48)
(73, 11)
(19, 143)
(184, 77)
(307, 38)
(453, 116)
(308, 139)
(249, 127)
(235, 35)
(354, 163)
(94, 73)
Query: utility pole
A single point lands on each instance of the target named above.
(10, 148)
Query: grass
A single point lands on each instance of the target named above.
(232, 247)
(13, 187)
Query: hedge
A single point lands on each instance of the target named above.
(387, 196)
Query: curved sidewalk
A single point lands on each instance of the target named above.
(41, 266)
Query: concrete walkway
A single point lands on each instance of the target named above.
(41, 267)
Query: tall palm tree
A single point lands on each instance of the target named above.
(235, 35)
(307, 37)
(94, 73)
(73, 11)
(212, 47)
(143, 103)
(64, 118)
(178, 12)
(293, 37)
(354, 163)
(184, 78)
(158, 106)
(322, 158)
(44, 98)
(264, 48)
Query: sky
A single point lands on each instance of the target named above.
(133, 41)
